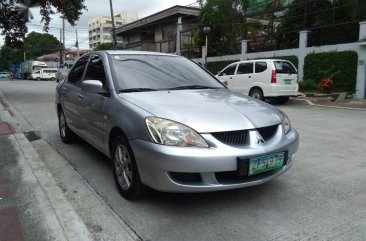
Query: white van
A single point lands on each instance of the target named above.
(264, 78)
(46, 74)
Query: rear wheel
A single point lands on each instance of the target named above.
(67, 136)
(38, 79)
(256, 93)
(126, 174)
(53, 79)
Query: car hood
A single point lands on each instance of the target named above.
(207, 110)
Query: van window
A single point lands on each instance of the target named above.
(229, 70)
(245, 68)
(49, 71)
(284, 67)
(260, 67)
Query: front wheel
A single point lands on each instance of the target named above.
(257, 94)
(126, 174)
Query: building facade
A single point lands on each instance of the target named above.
(158, 32)
(100, 27)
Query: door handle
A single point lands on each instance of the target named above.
(80, 97)
(231, 77)
(249, 76)
(64, 90)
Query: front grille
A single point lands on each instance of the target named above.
(267, 132)
(232, 137)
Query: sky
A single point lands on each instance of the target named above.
(98, 8)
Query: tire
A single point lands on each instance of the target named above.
(125, 171)
(257, 93)
(53, 79)
(67, 136)
(38, 79)
(282, 99)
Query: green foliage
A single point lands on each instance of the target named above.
(104, 46)
(215, 67)
(13, 19)
(340, 66)
(317, 16)
(308, 86)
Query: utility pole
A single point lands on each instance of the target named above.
(113, 25)
(63, 38)
(178, 41)
(61, 57)
(77, 44)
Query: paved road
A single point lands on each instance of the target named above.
(321, 198)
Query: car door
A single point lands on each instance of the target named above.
(72, 96)
(244, 77)
(227, 75)
(93, 103)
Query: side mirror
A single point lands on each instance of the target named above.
(92, 86)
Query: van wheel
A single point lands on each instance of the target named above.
(125, 172)
(52, 79)
(256, 93)
(282, 99)
(38, 79)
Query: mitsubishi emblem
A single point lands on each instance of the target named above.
(259, 139)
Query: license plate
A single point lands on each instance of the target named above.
(266, 163)
(288, 81)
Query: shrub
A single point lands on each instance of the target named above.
(308, 86)
(340, 66)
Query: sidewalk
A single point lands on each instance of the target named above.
(32, 206)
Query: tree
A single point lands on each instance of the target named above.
(104, 46)
(33, 46)
(38, 44)
(15, 14)
(223, 16)
(330, 22)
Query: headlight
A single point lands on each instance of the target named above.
(171, 133)
(285, 122)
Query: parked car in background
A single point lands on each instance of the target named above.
(168, 124)
(4, 74)
(44, 74)
(264, 78)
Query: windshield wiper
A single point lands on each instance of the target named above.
(136, 90)
(190, 87)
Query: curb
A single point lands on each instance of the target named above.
(309, 102)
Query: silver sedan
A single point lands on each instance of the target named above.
(168, 124)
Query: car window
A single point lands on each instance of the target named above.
(159, 72)
(77, 72)
(260, 67)
(245, 68)
(95, 70)
(229, 70)
(284, 67)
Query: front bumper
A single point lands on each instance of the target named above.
(157, 163)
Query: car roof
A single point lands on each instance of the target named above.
(131, 52)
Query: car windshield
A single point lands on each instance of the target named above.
(138, 73)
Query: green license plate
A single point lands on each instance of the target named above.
(266, 163)
(288, 81)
